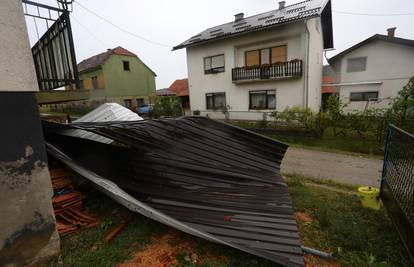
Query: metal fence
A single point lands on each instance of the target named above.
(397, 184)
(54, 52)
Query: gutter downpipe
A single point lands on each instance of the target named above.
(306, 82)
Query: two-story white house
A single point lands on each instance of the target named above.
(261, 63)
(372, 72)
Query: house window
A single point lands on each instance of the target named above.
(128, 103)
(266, 56)
(95, 83)
(216, 100)
(364, 96)
(140, 102)
(262, 99)
(357, 64)
(214, 64)
(126, 65)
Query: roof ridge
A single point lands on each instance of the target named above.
(299, 3)
(298, 11)
(375, 37)
(261, 13)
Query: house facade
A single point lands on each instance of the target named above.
(118, 75)
(372, 72)
(262, 63)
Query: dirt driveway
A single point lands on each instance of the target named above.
(337, 167)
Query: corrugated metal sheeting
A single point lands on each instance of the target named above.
(201, 176)
(105, 112)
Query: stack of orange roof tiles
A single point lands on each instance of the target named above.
(67, 204)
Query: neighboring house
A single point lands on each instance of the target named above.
(118, 75)
(265, 62)
(329, 81)
(180, 88)
(372, 72)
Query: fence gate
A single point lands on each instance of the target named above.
(397, 184)
(54, 53)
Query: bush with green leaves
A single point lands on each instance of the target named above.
(368, 123)
(403, 107)
(316, 122)
(167, 107)
(336, 114)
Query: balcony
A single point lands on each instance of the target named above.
(280, 70)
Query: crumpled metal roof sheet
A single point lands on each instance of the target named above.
(105, 112)
(204, 177)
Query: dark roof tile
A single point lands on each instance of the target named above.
(295, 12)
(376, 37)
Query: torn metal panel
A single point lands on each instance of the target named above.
(209, 179)
(105, 112)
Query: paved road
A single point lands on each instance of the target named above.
(337, 167)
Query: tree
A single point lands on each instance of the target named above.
(403, 106)
(337, 117)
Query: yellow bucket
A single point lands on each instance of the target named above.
(369, 197)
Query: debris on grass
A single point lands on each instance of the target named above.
(303, 217)
(121, 226)
(313, 261)
(163, 251)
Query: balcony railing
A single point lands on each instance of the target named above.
(280, 70)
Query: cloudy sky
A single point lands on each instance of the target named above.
(165, 23)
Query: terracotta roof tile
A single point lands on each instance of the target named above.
(98, 60)
(180, 87)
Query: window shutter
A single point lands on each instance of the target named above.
(217, 61)
(279, 54)
(252, 58)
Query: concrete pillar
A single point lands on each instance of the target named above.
(27, 224)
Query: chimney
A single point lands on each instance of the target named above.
(282, 5)
(238, 17)
(391, 32)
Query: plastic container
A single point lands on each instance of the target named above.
(369, 197)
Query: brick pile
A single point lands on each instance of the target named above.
(67, 204)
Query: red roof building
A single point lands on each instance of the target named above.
(180, 88)
(329, 77)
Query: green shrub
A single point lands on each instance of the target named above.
(304, 117)
(167, 107)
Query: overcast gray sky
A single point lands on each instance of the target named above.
(169, 22)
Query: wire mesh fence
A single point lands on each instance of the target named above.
(397, 186)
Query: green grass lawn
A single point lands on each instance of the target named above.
(350, 143)
(336, 222)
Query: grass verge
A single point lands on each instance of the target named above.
(352, 143)
(329, 220)
(358, 236)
